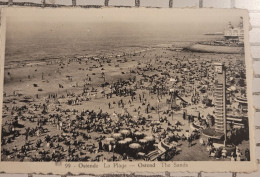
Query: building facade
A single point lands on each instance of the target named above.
(235, 33)
(220, 98)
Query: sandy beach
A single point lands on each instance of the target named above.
(62, 93)
(91, 85)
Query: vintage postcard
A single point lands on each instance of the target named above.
(106, 90)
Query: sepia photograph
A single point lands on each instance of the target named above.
(122, 85)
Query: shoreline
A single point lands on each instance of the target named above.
(55, 60)
(66, 89)
(125, 51)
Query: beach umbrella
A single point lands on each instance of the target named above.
(125, 132)
(122, 142)
(109, 140)
(117, 135)
(149, 138)
(128, 140)
(135, 146)
(138, 133)
(143, 141)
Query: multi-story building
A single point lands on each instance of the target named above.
(220, 98)
(235, 33)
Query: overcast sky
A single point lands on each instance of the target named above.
(186, 21)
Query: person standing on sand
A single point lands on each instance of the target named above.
(38, 132)
(224, 153)
(190, 141)
(202, 142)
(60, 126)
(218, 154)
(100, 148)
(247, 155)
(234, 156)
(238, 155)
(109, 147)
(26, 137)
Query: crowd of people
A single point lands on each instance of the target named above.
(74, 125)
